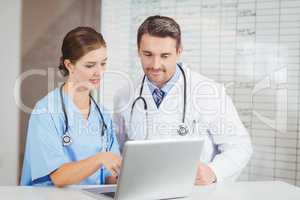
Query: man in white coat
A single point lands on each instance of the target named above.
(171, 101)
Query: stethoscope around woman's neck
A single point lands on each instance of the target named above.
(66, 138)
(182, 127)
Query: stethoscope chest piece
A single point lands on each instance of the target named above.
(66, 139)
(182, 129)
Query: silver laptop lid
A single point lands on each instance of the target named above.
(158, 169)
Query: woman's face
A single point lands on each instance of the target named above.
(87, 72)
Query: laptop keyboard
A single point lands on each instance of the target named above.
(109, 194)
(98, 191)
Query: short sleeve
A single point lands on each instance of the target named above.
(44, 150)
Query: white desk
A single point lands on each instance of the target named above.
(232, 191)
(272, 190)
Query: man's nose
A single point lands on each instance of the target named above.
(156, 63)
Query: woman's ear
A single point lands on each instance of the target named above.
(69, 66)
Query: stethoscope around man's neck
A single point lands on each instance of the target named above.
(66, 138)
(182, 127)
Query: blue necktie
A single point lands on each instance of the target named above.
(158, 96)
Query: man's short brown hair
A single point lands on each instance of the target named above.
(160, 26)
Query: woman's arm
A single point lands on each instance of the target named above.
(74, 172)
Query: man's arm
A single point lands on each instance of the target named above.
(232, 142)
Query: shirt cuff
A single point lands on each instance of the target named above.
(220, 172)
(217, 172)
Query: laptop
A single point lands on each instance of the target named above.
(155, 169)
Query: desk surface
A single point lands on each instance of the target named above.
(274, 190)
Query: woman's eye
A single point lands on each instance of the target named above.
(89, 66)
(103, 64)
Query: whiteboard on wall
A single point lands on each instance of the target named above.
(252, 46)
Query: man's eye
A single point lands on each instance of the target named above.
(103, 64)
(165, 56)
(148, 55)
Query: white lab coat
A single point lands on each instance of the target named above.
(210, 115)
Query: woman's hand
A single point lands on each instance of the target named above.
(112, 162)
(74, 172)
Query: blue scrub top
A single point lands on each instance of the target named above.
(44, 151)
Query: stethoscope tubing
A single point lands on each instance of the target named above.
(104, 126)
(140, 97)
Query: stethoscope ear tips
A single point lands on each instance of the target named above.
(183, 130)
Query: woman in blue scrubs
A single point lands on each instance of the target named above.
(70, 140)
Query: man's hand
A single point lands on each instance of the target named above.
(204, 175)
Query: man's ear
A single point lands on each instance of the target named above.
(69, 66)
(139, 53)
(179, 50)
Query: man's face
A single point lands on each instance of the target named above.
(158, 57)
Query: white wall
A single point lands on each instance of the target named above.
(10, 26)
